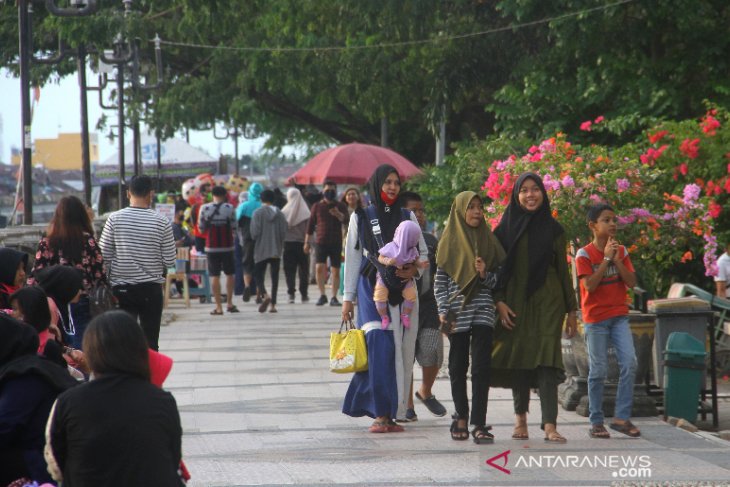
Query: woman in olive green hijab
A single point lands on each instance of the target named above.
(467, 259)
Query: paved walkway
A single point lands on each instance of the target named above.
(259, 407)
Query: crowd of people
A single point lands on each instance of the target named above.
(502, 298)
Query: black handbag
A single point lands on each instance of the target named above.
(101, 299)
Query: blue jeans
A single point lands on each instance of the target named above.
(614, 331)
(81, 316)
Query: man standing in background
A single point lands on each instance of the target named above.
(138, 248)
(328, 217)
(217, 220)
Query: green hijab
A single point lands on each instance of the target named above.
(461, 244)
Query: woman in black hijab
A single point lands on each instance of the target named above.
(535, 295)
(28, 386)
(380, 392)
(64, 285)
(12, 273)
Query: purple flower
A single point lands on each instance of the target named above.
(691, 193)
(567, 182)
(622, 184)
(640, 212)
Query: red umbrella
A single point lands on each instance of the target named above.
(351, 163)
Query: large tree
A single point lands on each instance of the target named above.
(345, 65)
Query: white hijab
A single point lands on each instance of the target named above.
(296, 209)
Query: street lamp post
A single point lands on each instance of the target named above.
(24, 52)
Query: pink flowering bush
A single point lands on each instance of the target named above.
(670, 189)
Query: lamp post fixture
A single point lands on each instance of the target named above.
(230, 133)
(79, 8)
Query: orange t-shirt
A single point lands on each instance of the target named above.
(609, 299)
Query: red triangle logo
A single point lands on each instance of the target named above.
(505, 456)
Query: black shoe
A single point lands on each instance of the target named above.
(291, 299)
(305, 299)
(334, 302)
(246, 294)
(432, 404)
(322, 300)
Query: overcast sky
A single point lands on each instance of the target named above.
(58, 111)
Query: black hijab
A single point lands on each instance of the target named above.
(389, 216)
(10, 259)
(541, 230)
(60, 282)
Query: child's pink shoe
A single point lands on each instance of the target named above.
(406, 320)
(385, 323)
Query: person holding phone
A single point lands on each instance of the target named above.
(467, 260)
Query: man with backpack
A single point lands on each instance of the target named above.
(217, 220)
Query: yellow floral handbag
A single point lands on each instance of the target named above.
(348, 352)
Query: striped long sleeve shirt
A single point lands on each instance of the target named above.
(479, 312)
(137, 246)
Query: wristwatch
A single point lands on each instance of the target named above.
(608, 259)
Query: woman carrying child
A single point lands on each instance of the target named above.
(468, 254)
(380, 392)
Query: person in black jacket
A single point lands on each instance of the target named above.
(140, 443)
(28, 386)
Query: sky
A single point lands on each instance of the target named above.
(58, 110)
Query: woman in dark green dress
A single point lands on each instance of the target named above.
(534, 296)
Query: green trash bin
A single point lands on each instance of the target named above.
(684, 366)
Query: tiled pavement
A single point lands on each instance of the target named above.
(259, 407)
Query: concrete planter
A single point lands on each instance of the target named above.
(573, 393)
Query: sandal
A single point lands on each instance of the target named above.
(232, 309)
(555, 437)
(520, 431)
(458, 434)
(482, 435)
(215, 312)
(379, 427)
(394, 427)
(598, 431)
(626, 428)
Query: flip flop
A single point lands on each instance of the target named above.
(599, 431)
(215, 312)
(555, 437)
(520, 436)
(628, 428)
(379, 427)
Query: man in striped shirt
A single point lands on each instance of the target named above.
(138, 248)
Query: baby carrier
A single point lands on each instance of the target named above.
(371, 239)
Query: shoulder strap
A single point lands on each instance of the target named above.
(375, 225)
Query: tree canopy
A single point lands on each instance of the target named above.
(323, 71)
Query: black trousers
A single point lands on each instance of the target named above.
(295, 259)
(259, 269)
(478, 341)
(144, 302)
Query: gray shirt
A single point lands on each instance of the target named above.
(268, 228)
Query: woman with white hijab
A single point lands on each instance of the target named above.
(297, 214)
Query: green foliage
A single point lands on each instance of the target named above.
(635, 63)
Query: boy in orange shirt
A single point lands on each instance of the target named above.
(605, 272)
